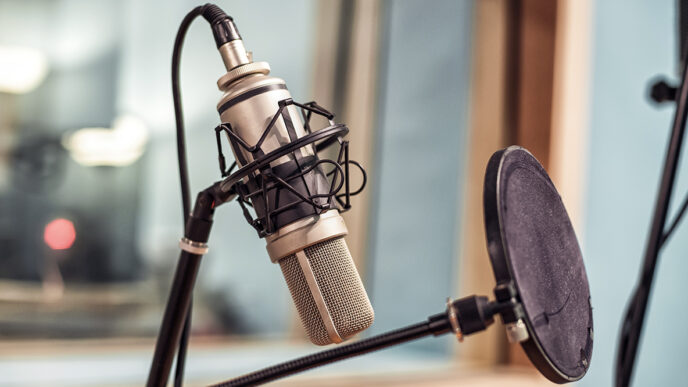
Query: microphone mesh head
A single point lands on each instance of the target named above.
(340, 286)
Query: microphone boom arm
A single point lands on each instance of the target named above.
(462, 317)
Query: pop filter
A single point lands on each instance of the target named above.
(534, 251)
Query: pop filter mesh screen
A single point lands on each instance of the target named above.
(546, 265)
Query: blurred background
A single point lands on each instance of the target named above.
(90, 211)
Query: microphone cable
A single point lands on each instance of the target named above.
(209, 12)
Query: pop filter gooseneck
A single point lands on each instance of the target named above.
(542, 291)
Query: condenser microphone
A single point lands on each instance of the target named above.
(291, 194)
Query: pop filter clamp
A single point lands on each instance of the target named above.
(659, 233)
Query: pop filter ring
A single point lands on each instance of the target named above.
(502, 268)
(320, 139)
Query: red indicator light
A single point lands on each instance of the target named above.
(59, 234)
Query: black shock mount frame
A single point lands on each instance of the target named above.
(261, 171)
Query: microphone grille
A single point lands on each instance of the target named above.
(341, 288)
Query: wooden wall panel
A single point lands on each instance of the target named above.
(534, 38)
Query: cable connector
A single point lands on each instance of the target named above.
(227, 38)
(224, 29)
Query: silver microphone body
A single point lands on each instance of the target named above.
(309, 246)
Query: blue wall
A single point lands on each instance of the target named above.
(421, 137)
(633, 41)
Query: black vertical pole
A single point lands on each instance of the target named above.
(635, 314)
(197, 230)
(173, 320)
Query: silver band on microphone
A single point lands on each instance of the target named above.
(242, 71)
(304, 233)
(234, 54)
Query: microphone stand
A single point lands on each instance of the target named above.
(632, 326)
(194, 246)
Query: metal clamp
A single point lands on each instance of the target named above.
(454, 319)
(517, 332)
(192, 247)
